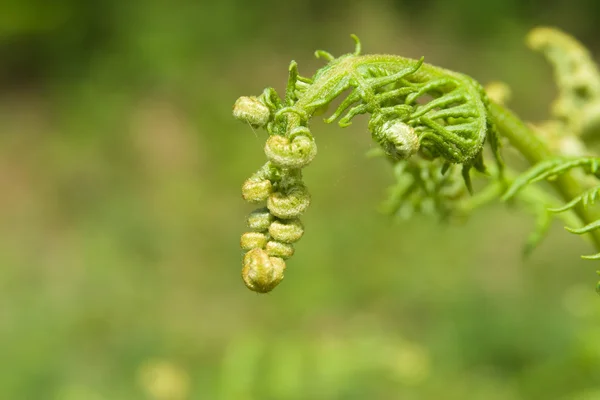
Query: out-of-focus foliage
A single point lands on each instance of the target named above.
(120, 209)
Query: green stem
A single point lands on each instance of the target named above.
(534, 150)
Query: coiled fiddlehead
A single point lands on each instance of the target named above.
(417, 112)
(577, 106)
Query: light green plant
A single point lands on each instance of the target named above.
(431, 124)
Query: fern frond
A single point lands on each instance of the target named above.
(421, 115)
(586, 198)
(586, 229)
(549, 169)
(425, 187)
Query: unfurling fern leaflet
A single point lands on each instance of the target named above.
(587, 198)
(450, 128)
(550, 169)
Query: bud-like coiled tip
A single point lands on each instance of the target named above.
(260, 219)
(251, 110)
(289, 204)
(255, 191)
(397, 139)
(262, 273)
(294, 152)
(286, 231)
(253, 240)
(279, 249)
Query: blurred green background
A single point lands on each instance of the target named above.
(120, 210)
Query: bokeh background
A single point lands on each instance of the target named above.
(120, 215)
